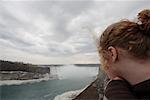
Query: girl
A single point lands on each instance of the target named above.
(125, 56)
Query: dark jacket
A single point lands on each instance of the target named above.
(122, 90)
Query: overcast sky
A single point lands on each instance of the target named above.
(54, 31)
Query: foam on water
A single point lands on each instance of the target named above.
(69, 95)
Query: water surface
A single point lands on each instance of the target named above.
(70, 78)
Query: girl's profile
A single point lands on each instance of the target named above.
(125, 56)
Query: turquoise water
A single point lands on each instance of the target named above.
(45, 90)
(42, 90)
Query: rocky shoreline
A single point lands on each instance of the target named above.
(20, 71)
(19, 75)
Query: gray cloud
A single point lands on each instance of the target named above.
(59, 28)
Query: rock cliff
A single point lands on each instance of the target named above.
(20, 71)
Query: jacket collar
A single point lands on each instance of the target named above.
(142, 89)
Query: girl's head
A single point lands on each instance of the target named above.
(128, 36)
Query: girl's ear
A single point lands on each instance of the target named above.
(112, 54)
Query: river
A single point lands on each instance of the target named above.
(70, 78)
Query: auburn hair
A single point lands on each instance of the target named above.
(134, 37)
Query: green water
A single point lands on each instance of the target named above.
(45, 90)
